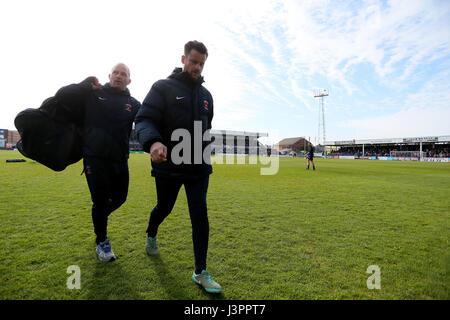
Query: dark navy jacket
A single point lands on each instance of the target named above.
(175, 103)
(311, 152)
(108, 117)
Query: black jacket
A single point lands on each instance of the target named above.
(175, 103)
(108, 117)
(311, 152)
(50, 134)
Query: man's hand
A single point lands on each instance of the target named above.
(95, 84)
(158, 152)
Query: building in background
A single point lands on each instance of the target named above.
(3, 135)
(293, 146)
(8, 138)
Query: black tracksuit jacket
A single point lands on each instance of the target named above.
(174, 103)
(107, 118)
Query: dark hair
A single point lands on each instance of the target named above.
(195, 45)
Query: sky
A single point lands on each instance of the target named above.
(385, 64)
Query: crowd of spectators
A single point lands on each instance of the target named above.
(443, 153)
(432, 151)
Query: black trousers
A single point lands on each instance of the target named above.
(196, 191)
(108, 183)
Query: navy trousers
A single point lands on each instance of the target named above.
(196, 191)
(108, 183)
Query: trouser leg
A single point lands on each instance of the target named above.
(119, 179)
(166, 192)
(196, 193)
(108, 185)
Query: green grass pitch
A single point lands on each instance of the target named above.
(295, 235)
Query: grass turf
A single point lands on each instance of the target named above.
(295, 235)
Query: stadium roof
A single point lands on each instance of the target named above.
(389, 140)
(289, 141)
(239, 133)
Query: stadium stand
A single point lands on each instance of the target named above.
(237, 142)
(417, 148)
(225, 142)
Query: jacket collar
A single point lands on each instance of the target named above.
(184, 77)
(108, 88)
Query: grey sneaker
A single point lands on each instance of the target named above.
(104, 251)
(204, 279)
(151, 247)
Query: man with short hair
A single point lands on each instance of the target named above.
(109, 112)
(180, 103)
